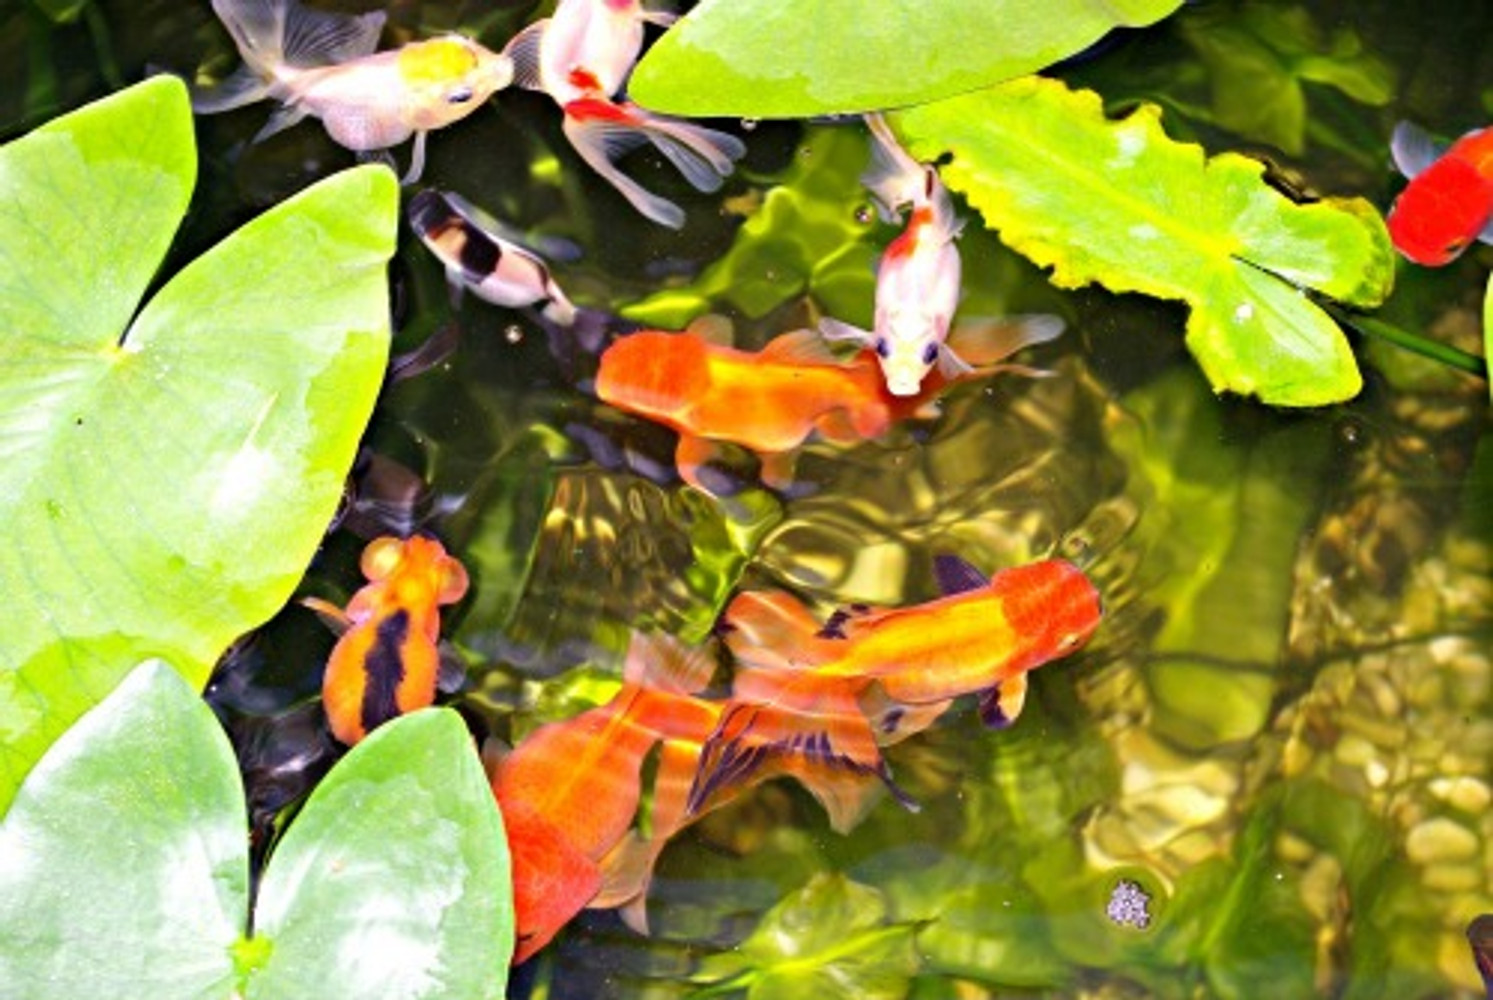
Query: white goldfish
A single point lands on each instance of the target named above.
(917, 281)
(581, 57)
(324, 64)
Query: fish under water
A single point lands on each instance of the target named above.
(918, 277)
(324, 64)
(386, 661)
(581, 57)
(570, 790)
(1448, 203)
(772, 401)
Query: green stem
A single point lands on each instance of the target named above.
(1424, 346)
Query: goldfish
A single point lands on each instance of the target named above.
(386, 661)
(570, 790)
(836, 692)
(772, 401)
(479, 254)
(581, 57)
(324, 64)
(1449, 200)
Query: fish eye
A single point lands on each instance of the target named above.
(930, 354)
(883, 349)
(459, 96)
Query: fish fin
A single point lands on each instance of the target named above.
(1480, 937)
(662, 18)
(435, 348)
(523, 49)
(1000, 705)
(704, 156)
(494, 751)
(1413, 149)
(662, 663)
(1486, 236)
(984, 341)
(322, 38)
(539, 244)
(330, 614)
(599, 141)
(833, 329)
(764, 626)
(417, 160)
(692, 455)
(626, 871)
(950, 365)
(281, 119)
(803, 347)
(955, 576)
(835, 741)
(713, 328)
(894, 721)
(242, 86)
(776, 469)
(257, 28)
(451, 673)
(841, 625)
(894, 178)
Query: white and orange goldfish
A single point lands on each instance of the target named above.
(917, 281)
(581, 56)
(323, 64)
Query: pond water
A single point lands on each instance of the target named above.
(1269, 774)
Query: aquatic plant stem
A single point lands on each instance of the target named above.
(1446, 354)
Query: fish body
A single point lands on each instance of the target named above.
(323, 64)
(1449, 201)
(918, 277)
(479, 256)
(581, 57)
(769, 402)
(839, 691)
(386, 661)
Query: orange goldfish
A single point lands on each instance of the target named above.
(771, 402)
(1449, 201)
(581, 56)
(570, 790)
(386, 661)
(323, 64)
(836, 693)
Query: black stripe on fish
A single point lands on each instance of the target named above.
(384, 670)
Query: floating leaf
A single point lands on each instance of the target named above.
(828, 940)
(393, 881)
(1488, 323)
(776, 59)
(126, 865)
(1119, 203)
(167, 478)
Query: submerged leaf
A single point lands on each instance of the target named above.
(165, 480)
(126, 867)
(771, 59)
(1119, 203)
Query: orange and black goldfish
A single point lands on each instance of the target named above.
(479, 254)
(323, 64)
(581, 57)
(1449, 201)
(386, 662)
(835, 693)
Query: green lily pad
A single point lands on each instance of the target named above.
(776, 59)
(167, 474)
(1121, 204)
(127, 865)
(830, 939)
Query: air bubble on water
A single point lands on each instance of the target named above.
(864, 215)
(513, 333)
(748, 124)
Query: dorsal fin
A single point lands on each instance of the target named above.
(321, 38)
(713, 328)
(1413, 149)
(523, 49)
(1001, 704)
(955, 576)
(799, 347)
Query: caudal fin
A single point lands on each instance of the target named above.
(602, 131)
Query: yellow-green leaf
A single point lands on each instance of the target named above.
(1119, 203)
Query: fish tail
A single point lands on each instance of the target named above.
(894, 178)
(661, 663)
(602, 131)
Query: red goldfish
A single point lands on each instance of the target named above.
(323, 64)
(386, 662)
(868, 677)
(771, 402)
(581, 56)
(1449, 200)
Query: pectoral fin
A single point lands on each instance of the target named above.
(1000, 705)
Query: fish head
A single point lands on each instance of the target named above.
(1440, 212)
(450, 76)
(416, 570)
(553, 880)
(907, 347)
(1051, 605)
